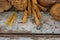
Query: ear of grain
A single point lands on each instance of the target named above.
(37, 21)
(34, 1)
(35, 7)
(29, 7)
(38, 13)
(24, 20)
(42, 8)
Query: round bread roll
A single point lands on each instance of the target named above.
(7, 6)
(19, 4)
(4, 5)
(46, 2)
(55, 11)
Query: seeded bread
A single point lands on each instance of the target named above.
(19, 4)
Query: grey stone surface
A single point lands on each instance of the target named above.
(48, 24)
(29, 38)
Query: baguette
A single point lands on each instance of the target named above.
(42, 8)
(29, 7)
(35, 7)
(37, 21)
(25, 17)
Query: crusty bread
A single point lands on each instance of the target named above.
(46, 2)
(4, 5)
(19, 4)
(55, 11)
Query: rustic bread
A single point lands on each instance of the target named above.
(19, 4)
(46, 2)
(4, 5)
(55, 11)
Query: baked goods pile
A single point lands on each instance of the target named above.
(33, 7)
(55, 11)
(19, 4)
(4, 5)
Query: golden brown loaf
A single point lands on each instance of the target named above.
(46, 2)
(19, 4)
(55, 11)
(4, 5)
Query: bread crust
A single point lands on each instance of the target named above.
(19, 4)
(46, 2)
(55, 11)
(4, 5)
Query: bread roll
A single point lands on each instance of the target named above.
(55, 11)
(19, 4)
(46, 2)
(4, 5)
